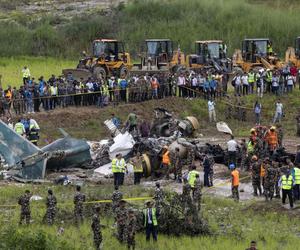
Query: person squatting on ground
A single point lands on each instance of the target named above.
(51, 207)
(24, 202)
(79, 199)
(96, 228)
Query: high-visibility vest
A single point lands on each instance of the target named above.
(269, 76)
(287, 182)
(251, 77)
(53, 90)
(33, 135)
(272, 139)
(250, 147)
(166, 158)
(26, 73)
(297, 175)
(105, 90)
(235, 178)
(138, 168)
(192, 177)
(154, 220)
(114, 167)
(269, 49)
(19, 128)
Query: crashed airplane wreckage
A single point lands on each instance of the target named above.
(26, 162)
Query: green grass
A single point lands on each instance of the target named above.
(11, 68)
(233, 225)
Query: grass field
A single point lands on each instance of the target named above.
(232, 225)
(11, 68)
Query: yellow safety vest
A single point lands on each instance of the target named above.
(269, 76)
(114, 167)
(19, 128)
(269, 49)
(251, 77)
(105, 90)
(137, 169)
(154, 220)
(53, 90)
(192, 177)
(287, 182)
(297, 175)
(26, 73)
(250, 147)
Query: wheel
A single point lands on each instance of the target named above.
(99, 72)
(123, 71)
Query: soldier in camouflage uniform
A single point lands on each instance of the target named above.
(122, 215)
(24, 202)
(186, 195)
(131, 229)
(270, 181)
(79, 199)
(51, 207)
(278, 175)
(280, 134)
(190, 156)
(158, 197)
(177, 165)
(255, 173)
(197, 194)
(117, 196)
(96, 228)
(243, 147)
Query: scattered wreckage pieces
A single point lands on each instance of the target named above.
(223, 127)
(26, 161)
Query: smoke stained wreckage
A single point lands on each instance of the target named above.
(26, 162)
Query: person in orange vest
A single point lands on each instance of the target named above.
(165, 163)
(272, 139)
(235, 182)
(154, 87)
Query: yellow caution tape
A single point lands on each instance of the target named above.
(92, 202)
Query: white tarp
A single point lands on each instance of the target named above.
(123, 143)
(223, 127)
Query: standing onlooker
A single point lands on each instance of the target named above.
(24, 202)
(257, 112)
(237, 84)
(260, 84)
(150, 221)
(278, 112)
(78, 200)
(296, 177)
(26, 74)
(235, 182)
(211, 111)
(289, 83)
(232, 150)
(286, 183)
(275, 84)
(96, 227)
(181, 85)
(245, 83)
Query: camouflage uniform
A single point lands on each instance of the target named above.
(121, 223)
(280, 136)
(51, 209)
(24, 202)
(190, 156)
(186, 196)
(243, 155)
(256, 178)
(79, 199)
(117, 196)
(270, 181)
(96, 230)
(197, 195)
(277, 178)
(178, 166)
(130, 231)
(159, 199)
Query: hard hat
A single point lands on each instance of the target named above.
(254, 158)
(166, 147)
(273, 128)
(252, 130)
(231, 166)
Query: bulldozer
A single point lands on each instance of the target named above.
(254, 55)
(158, 56)
(292, 55)
(210, 54)
(109, 58)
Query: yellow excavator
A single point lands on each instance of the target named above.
(158, 56)
(256, 53)
(209, 54)
(292, 55)
(108, 58)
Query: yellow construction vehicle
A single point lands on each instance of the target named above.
(109, 58)
(159, 56)
(256, 53)
(292, 55)
(209, 54)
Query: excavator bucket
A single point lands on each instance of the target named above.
(77, 74)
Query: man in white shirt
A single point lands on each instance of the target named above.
(289, 83)
(232, 147)
(181, 84)
(278, 112)
(245, 83)
(237, 82)
(211, 111)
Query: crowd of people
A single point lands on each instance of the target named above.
(39, 94)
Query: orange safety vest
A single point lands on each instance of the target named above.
(166, 158)
(8, 95)
(272, 139)
(235, 178)
(262, 171)
(154, 84)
